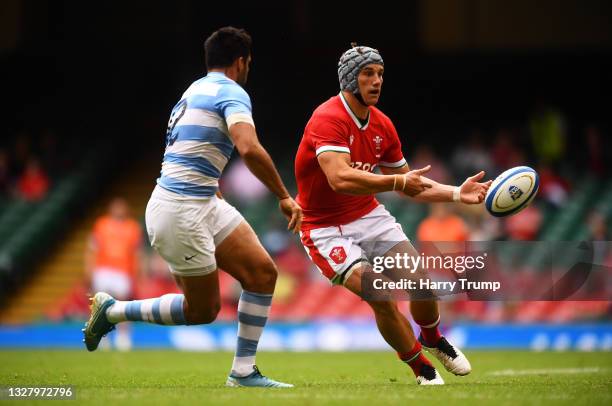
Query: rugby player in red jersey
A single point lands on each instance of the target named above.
(345, 140)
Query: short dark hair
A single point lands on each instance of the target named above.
(226, 45)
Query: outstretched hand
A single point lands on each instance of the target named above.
(472, 191)
(292, 212)
(414, 183)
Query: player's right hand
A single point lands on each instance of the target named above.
(293, 212)
(414, 182)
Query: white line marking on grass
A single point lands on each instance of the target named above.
(545, 371)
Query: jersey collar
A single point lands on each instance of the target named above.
(353, 116)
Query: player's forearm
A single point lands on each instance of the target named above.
(437, 193)
(355, 182)
(260, 164)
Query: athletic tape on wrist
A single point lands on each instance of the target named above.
(457, 194)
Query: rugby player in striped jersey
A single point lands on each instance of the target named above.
(193, 228)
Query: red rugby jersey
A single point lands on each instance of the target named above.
(334, 127)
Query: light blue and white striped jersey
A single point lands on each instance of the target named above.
(198, 144)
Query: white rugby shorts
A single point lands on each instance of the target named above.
(335, 250)
(185, 232)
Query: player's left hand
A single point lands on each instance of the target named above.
(472, 191)
(293, 213)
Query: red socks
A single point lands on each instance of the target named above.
(414, 358)
(430, 332)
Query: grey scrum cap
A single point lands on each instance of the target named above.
(352, 61)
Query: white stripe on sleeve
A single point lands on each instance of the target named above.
(397, 164)
(239, 118)
(332, 148)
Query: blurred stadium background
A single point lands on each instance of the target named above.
(470, 84)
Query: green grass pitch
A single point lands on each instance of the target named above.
(372, 378)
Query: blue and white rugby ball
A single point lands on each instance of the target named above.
(512, 191)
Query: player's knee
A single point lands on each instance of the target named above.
(384, 308)
(205, 315)
(269, 273)
(262, 278)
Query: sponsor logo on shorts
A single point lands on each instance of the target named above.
(338, 255)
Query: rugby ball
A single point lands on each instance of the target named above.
(512, 191)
